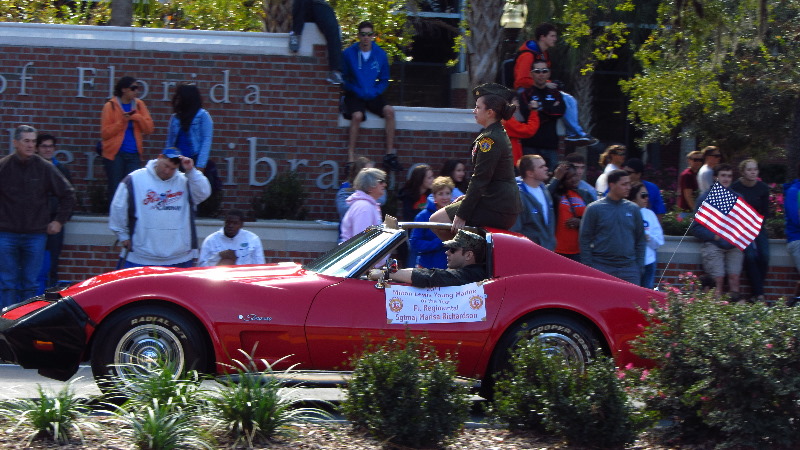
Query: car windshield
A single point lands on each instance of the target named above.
(351, 256)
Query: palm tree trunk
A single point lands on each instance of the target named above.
(121, 13)
(277, 16)
(483, 43)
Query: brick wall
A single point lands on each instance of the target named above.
(57, 77)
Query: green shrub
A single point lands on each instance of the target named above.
(251, 405)
(158, 383)
(50, 416)
(283, 198)
(161, 426)
(542, 392)
(728, 373)
(406, 394)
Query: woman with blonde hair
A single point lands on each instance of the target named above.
(613, 158)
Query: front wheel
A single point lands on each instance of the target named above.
(129, 345)
(558, 334)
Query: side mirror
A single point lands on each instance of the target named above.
(391, 265)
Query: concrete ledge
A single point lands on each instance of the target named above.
(414, 118)
(686, 250)
(158, 39)
(276, 235)
(320, 236)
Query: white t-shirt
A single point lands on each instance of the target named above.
(538, 194)
(245, 244)
(653, 230)
(705, 178)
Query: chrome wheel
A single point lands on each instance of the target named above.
(564, 345)
(146, 348)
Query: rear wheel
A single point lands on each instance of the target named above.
(130, 344)
(560, 335)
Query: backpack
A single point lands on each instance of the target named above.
(507, 69)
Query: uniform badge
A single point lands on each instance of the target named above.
(485, 144)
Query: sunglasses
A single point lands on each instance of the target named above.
(644, 195)
(452, 249)
(382, 181)
(697, 159)
(540, 70)
(366, 33)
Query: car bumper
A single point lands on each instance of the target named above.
(45, 334)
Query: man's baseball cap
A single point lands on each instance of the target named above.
(172, 153)
(466, 240)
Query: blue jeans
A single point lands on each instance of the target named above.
(756, 262)
(116, 169)
(649, 276)
(21, 256)
(571, 115)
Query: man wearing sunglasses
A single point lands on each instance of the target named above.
(541, 99)
(366, 76)
(687, 182)
(545, 38)
(466, 253)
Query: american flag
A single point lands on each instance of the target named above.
(729, 216)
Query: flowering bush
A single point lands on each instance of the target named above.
(776, 223)
(542, 392)
(724, 372)
(675, 222)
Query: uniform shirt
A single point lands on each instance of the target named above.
(493, 184)
(246, 245)
(448, 277)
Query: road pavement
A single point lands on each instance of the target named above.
(16, 382)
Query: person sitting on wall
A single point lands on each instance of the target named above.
(366, 77)
(231, 245)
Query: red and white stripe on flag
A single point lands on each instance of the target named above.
(729, 216)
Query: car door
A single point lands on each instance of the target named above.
(345, 316)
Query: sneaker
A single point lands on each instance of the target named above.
(294, 43)
(585, 140)
(391, 163)
(335, 77)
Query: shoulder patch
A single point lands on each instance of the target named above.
(485, 144)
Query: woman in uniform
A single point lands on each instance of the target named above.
(492, 197)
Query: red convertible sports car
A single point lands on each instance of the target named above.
(317, 315)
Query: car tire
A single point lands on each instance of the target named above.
(129, 343)
(560, 334)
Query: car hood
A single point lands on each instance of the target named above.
(257, 274)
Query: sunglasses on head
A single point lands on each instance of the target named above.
(366, 33)
(540, 70)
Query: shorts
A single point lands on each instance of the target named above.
(481, 217)
(351, 104)
(717, 262)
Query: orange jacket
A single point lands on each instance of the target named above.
(525, 59)
(113, 125)
(517, 130)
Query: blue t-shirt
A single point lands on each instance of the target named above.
(129, 142)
